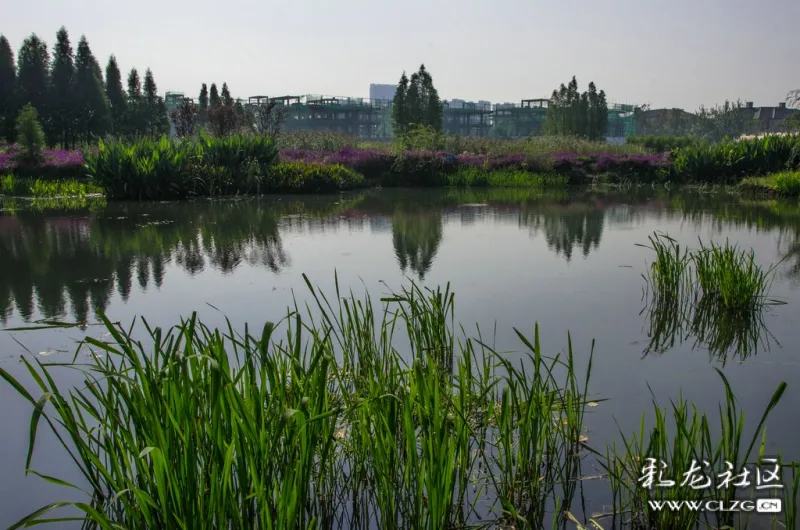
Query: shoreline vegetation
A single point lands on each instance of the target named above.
(318, 421)
(319, 162)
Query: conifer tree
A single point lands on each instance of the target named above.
(8, 81)
(116, 96)
(135, 125)
(213, 99)
(573, 113)
(227, 100)
(62, 95)
(202, 105)
(399, 117)
(33, 77)
(155, 108)
(94, 116)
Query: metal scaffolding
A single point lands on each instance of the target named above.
(372, 119)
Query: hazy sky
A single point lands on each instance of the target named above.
(669, 53)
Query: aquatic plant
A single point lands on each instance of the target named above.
(170, 169)
(680, 438)
(329, 427)
(729, 160)
(11, 185)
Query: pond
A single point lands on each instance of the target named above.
(567, 261)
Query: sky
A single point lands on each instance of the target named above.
(666, 53)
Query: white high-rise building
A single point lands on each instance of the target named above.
(382, 92)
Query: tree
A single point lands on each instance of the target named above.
(184, 118)
(33, 65)
(135, 124)
(223, 120)
(226, 95)
(202, 101)
(8, 81)
(30, 135)
(399, 117)
(155, 109)
(268, 117)
(94, 113)
(417, 102)
(572, 113)
(214, 100)
(62, 85)
(115, 95)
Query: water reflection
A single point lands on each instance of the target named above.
(724, 335)
(59, 263)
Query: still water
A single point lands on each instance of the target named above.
(513, 258)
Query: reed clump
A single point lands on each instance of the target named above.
(318, 421)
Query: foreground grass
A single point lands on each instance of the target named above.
(28, 187)
(785, 183)
(332, 426)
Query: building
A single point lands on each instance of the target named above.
(382, 92)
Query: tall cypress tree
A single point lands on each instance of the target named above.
(94, 118)
(227, 100)
(156, 110)
(399, 107)
(62, 83)
(202, 101)
(8, 81)
(434, 110)
(592, 118)
(33, 77)
(602, 114)
(115, 95)
(134, 121)
(213, 99)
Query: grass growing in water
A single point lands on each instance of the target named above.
(26, 187)
(509, 178)
(680, 438)
(716, 293)
(329, 427)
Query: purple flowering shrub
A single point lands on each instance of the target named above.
(55, 163)
(622, 165)
(424, 167)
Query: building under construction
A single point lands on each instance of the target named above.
(372, 119)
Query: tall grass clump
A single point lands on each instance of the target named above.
(668, 273)
(716, 293)
(730, 160)
(731, 277)
(173, 169)
(680, 438)
(318, 421)
(788, 182)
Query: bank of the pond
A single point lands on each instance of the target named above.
(785, 184)
(203, 166)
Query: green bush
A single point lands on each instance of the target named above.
(174, 169)
(731, 160)
(788, 182)
(30, 136)
(309, 177)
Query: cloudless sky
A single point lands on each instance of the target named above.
(669, 53)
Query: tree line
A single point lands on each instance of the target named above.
(571, 113)
(74, 100)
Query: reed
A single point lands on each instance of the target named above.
(680, 437)
(329, 426)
